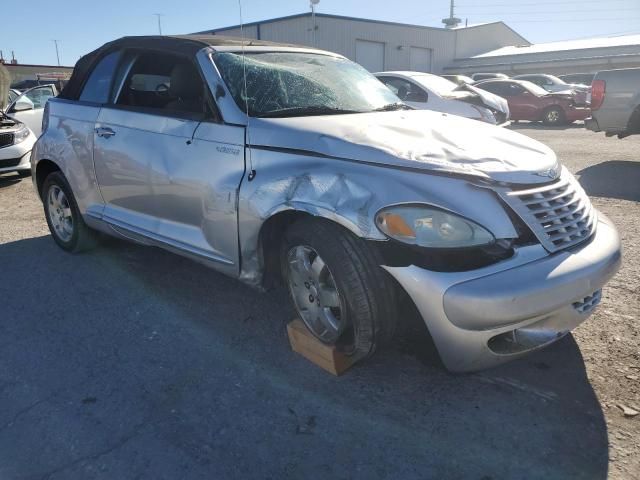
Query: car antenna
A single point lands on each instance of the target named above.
(252, 172)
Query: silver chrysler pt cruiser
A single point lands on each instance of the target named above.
(273, 162)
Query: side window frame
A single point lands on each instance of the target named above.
(88, 77)
(414, 87)
(516, 90)
(417, 88)
(123, 74)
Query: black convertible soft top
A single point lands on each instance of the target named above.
(187, 45)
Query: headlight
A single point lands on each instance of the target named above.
(21, 135)
(486, 115)
(430, 227)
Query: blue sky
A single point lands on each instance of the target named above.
(81, 26)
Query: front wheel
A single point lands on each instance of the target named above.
(338, 288)
(63, 216)
(553, 116)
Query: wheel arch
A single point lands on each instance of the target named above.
(272, 232)
(43, 169)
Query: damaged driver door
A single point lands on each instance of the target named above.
(167, 167)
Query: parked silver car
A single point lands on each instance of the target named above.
(271, 162)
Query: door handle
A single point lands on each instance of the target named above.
(105, 132)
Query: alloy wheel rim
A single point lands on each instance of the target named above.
(315, 294)
(60, 214)
(553, 116)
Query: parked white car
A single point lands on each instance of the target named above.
(432, 92)
(28, 107)
(16, 142)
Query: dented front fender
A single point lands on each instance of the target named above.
(350, 194)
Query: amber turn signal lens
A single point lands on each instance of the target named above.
(396, 225)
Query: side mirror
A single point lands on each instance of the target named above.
(22, 105)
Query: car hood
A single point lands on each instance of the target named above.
(418, 139)
(488, 99)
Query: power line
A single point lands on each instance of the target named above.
(554, 12)
(536, 4)
(555, 20)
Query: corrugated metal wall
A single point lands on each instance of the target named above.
(559, 62)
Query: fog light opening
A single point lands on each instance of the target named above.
(523, 339)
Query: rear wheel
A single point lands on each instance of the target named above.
(338, 288)
(63, 216)
(553, 116)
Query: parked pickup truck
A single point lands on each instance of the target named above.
(615, 102)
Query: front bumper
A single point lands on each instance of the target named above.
(16, 157)
(14, 164)
(488, 316)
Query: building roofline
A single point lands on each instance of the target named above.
(327, 15)
(457, 29)
(33, 65)
(532, 62)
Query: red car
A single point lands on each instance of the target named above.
(528, 101)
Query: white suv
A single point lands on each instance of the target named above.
(16, 141)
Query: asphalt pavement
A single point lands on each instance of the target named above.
(130, 362)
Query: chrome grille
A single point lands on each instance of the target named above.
(559, 213)
(6, 139)
(587, 304)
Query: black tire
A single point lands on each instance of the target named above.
(24, 173)
(82, 238)
(553, 116)
(368, 293)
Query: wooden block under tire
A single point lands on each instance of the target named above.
(325, 356)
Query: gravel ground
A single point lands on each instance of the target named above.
(130, 362)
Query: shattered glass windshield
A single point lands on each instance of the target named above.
(288, 84)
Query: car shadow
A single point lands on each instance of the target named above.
(6, 180)
(524, 125)
(152, 365)
(612, 179)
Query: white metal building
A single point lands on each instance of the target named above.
(572, 56)
(380, 45)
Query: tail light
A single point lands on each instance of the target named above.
(597, 94)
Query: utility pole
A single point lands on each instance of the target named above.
(314, 3)
(57, 52)
(159, 22)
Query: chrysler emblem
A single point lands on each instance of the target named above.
(550, 173)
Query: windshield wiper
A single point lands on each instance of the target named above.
(394, 106)
(305, 111)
